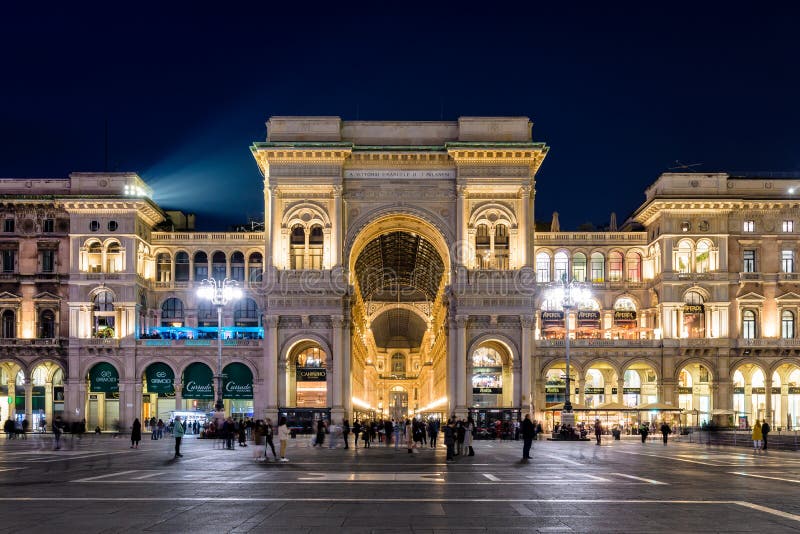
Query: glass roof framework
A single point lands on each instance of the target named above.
(399, 261)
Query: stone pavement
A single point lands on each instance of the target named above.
(100, 485)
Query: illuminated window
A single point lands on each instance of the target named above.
(598, 267)
(501, 247)
(237, 266)
(172, 312)
(683, 256)
(9, 324)
(787, 324)
(543, 267)
(297, 247)
(316, 239)
(561, 263)
(787, 261)
(633, 266)
(615, 267)
(164, 266)
(748, 324)
(749, 226)
(749, 261)
(788, 226)
(702, 257)
(579, 267)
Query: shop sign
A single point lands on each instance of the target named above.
(237, 382)
(485, 370)
(631, 391)
(38, 391)
(776, 390)
(684, 390)
(738, 391)
(552, 316)
(487, 391)
(624, 316)
(311, 374)
(759, 391)
(793, 390)
(588, 316)
(694, 308)
(613, 391)
(595, 391)
(160, 378)
(198, 382)
(103, 378)
(169, 395)
(555, 389)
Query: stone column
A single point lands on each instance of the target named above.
(29, 400)
(525, 400)
(346, 371)
(178, 387)
(461, 226)
(461, 366)
(451, 367)
(768, 399)
(271, 230)
(336, 224)
(335, 381)
(48, 402)
(270, 370)
(621, 391)
(581, 390)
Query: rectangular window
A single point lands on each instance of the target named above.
(787, 261)
(749, 226)
(48, 260)
(8, 225)
(788, 226)
(9, 257)
(749, 261)
(48, 226)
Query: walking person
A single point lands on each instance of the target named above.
(346, 432)
(765, 430)
(258, 439)
(57, 428)
(25, 425)
(409, 435)
(757, 437)
(450, 439)
(367, 432)
(528, 431)
(665, 431)
(178, 432)
(469, 431)
(266, 431)
(136, 433)
(356, 433)
(320, 433)
(644, 429)
(460, 436)
(598, 430)
(433, 432)
(283, 437)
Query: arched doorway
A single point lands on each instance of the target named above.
(695, 394)
(749, 393)
(399, 266)
(158, 392)
(307, 392)
(492, 380)
(786, 396)
(198, 387)
(102, 406)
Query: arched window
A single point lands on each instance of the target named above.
(694, 322)
(182, 267)
(172, 312)
(113, 258)
(39, 376)
(94, 257)
(47, 324)
(200, 266)
(164, 267)
(598, 267)
(246, 313)
(398, 365)
(206, 313)
(787, 324)
(702, 257)
(615, 266)
(104, 315)
(561, 266)
(311, 357)
(683, 256)
(633, 266)
(237, 266)
(543, 267)
(104, 302)
(255, 267)
(9, 325)
(748, 324)
(297, 243)
(487, 377)
(483, 246)
(316, 239)
(579, 267)
(218, 267)
(685, 379)
(501, 246)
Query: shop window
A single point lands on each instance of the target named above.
(543, 267)
(694, 322)
(579, 267)
(749, 261)
(237, 266)
(598, 267)
(200, 266)
(182, 267)
(787, 324)
(615, 267)
(787, 261)
(9, 324)
(561, 264)
(47, 324)
(748, 324)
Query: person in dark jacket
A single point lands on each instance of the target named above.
(320, 433)
(136, 433)
(665, 431)
(346, 432)
(450, 438)
(598, 430)
(644, 429)
(765, 429)
(528, 431)
(356, 433)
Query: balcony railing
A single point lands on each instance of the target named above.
(588, 343)
(767, 342)
(198, 342)
(47, 342)
(749, 276)
(171, 237)
(639, 238)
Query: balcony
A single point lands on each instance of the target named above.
(599, 343)
(50, 342)
(750, 277)
(206, 237)
(788, 277)
(198, 342)
(767, 342)
(567, 238)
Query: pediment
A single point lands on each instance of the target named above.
(46, 295)
(788, 297)
(5, 295)
(751, 296)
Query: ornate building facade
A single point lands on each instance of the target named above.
(399, 272)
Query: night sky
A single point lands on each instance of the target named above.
(618, 94)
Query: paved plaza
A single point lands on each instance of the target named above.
(100, 485)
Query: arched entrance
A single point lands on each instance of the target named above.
(749, 392)
(102, 406)
(158, 392)
(400, 266)
(694, 394)
(307, 398)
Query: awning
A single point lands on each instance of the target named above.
(658, 407)
(103, 378)
(198, 382)
(160, 378)
(237, 381)
(575, 407)
(614, 407)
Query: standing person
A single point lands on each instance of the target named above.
(765, 429)
(25, 429)
(346, 432)
(160, 429)
(409, 436)
(433, 432)
(598, 430)
(266, 430)
(644, 429)
(460, 436)
(528, 431)
(57, 426)
(450, 439)
(356, 433)
(258, 440)
(367, 431)
(397, 431)
(177, 432)
(757, 436)
(665, 431)
(136, 433)
(283, 437)
(320, 433)
(469, 430)
(242, 433)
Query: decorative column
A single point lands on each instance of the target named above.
(336, 224)
(581, 390)
(621, 390)
(48, 402)
(270, 370)
(177, 386)
(767, 400)
(525, 365)
(271, 231)
(336, 381)
(461, 366)
(346, 371)
(29, 400)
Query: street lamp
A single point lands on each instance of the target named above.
(571, 295)
(220, 293)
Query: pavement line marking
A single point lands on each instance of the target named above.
(120, 473)
(672, 458)
(768, 510)
(250, 477)
(522, 509)
(764, 476)
(361, 482)
(567, 460)
(648, 480)
(491, 477)
(147, 476)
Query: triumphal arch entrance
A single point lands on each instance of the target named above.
(398, 269)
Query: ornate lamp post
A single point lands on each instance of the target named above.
(571, 295)
(220, 293)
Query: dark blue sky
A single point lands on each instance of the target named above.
(618, 93)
